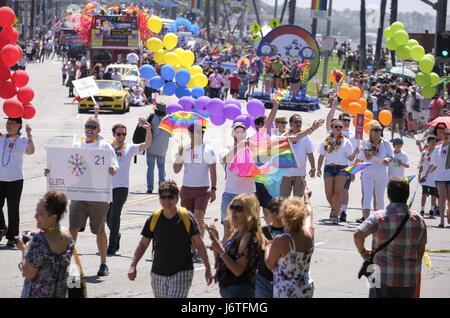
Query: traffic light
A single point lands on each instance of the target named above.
(443, 45)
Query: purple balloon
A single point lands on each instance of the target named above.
(255, 108)
(245, 119)
(218, 119)
(188, 103)
(173, 108)
(231, 111)
(202, 103)
(215, 106)
(233, 102)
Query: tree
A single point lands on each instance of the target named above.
(393, 18)
(292, 8)
(362, 45)
(380, 33)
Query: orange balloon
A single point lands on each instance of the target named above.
(355, 108)
(345, 103)
(385, 117)
(363, 103)
(368, 114)
(366, 128)
(355, 93)
(344, 92)
(345, 85)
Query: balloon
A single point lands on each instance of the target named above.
(391, 44)
(182, 92)
(345, 103)
(423, 79)
(388, 33)
(428, 92)
(355, 108)
(231, 111)
(25, 95)
(355, 93)
(426, 65)
(397, 26)
(429, 57)
(170, 40)
(9, 55)
(215, 106)
(7, 17)
(245, 119)
(13, 108)
(191, 84)
(173, 108)
(10, 34)
(169, 88)
(28, 111)
(368, 114)
(188, 103)
(187, 58)
(412, 42)
(363, 102)
(218, 119)
(385, 117)
(179, 51)
(197, 92)
(147, 71)
(160, 57)
(167, 72)
(434, 79)
(367, 127)
(403, 52)
(200, 80)
(255, 108)
(196, 70)
(5, 73)
(182, 77)
(155, 44)
(233, 102)
(417, 52)
(172, 59)
(401, 37)
(344, 92)
(156, 82)
(154, 24)
(7, 90)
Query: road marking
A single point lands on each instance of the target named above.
(320, 243)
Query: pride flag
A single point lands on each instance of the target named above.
(196, 4)
(409, 179)
(357, 167)
(319, 5)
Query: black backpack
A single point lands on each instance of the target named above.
(139, 132)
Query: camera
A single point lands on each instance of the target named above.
(26, 237)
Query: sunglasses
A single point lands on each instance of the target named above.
(236, 208)
(338, 127)
(274, 211)
(282, 122)
(93, 127)
(440, 127)
(121, 134)
(167, 197)
(347, 120)
(296, 122)
(376, 130)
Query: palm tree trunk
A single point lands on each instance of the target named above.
(207, 18)
(292, 7)
(393, 18)
(380, 33)
(362, 44)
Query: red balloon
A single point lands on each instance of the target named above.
(7, 16)
(13, 108)
(7, 90)
(28, 111)
(20, 78)
(3, 41)
(5, 73)
(25, 95)
(19, 50)
(10, 54)
(10, 34)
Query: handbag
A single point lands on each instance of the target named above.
(76, 283)
(364, 270)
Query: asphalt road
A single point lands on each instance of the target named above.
(335, 262)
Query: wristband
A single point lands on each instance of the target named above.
(214, 188)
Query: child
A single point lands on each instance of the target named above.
(400, 162)
(427, 181)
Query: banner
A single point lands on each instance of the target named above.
(81, 174)
(359, 128)
(86, 87)
(115, 31)
(319, 9)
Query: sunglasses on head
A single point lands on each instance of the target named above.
(236, 208)
(167, 197)
(93, 127)
(121, 134)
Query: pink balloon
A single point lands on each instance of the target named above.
(20, 78)
(28, 111)
(25, 95)
(13, 108)
(7, 16)
(7, 90)
(231, 111)
(218, 119)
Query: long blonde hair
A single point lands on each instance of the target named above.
(251, 211)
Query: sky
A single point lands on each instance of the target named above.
(404, 5)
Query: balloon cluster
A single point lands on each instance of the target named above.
(13, 87)
(397, 39)
(185, 24)
(178, 74)
(218, 111)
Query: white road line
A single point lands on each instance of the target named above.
(320, 243)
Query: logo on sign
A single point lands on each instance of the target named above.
(77, 165)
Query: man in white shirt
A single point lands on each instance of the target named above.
(132, 58)
(120, 181)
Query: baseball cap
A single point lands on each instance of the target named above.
(397, 141)
(237, 125)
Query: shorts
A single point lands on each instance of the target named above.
(347, 184)
(334, 171)
(263, 195)
(433, 191)
(294, 184)
(275, 76)
(194, 198)
(80, 211)
(234, 91)
(226, 200)
(447, 183)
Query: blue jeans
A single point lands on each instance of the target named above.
(264, 287)
(238, 291)
(160, 161)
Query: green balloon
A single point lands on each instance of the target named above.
(403, 52)
(391, 45)
(412, 42)
(426, 65)
(430, 57)
(428, 92)
(417, 52)
(388, 33)
(397, 26)
(401, 37)
(423, 79)
(434, 79)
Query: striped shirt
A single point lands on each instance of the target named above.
(398, 262)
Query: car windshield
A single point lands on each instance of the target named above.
(110, 85)
(125, 71)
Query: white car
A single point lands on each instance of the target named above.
(129, 73)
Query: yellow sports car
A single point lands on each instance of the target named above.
(112, 96)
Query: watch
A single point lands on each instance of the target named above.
(214, 188)
(221, 255)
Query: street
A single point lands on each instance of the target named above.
(335, 262)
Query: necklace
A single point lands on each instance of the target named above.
(374, 149)
(54, 228)
(11, 148)
(84, 140)
(331, 144)
(118, 149)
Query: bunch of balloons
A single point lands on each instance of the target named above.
(185, 24)
(397, 39)
(219, 111)
(13, 87)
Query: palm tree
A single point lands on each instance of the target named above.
(393, 18)
(362, 44)
(292, 7)
(380, 33)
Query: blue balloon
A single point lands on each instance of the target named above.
(198, 91)
(147, 71)
(156, 82)
(182, 77)
(167, 72)
(169, 88)
(182, 91)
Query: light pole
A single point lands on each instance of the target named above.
(327, 53)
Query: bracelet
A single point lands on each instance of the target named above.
(221, 255)
(214, 188)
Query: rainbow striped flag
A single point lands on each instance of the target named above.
(357, 167)
(319, 5)
(409, 179)
(196, 4)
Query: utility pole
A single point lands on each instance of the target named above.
(292, 8)
(314, 27)
(327, 53)
(393, 18)
(257, 14)
(283, 11)
(276, 9)
(362, 44)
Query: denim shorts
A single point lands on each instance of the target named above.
(238, 291)
(334, 171)
(264, 287)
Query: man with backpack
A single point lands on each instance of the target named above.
(175, 233)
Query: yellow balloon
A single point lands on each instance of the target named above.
(187, 58)
(172, 59)
(160, 57)
(179, 51)
(190, 84)
(200, 80)
(154, 44)
(154, 24)
(170, 40)
(196, 70)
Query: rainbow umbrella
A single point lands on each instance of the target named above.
(180, 121)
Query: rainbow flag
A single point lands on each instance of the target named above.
(357, 167)
(272, 181)
(409, 179)
(319, 4)
(196, 4)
